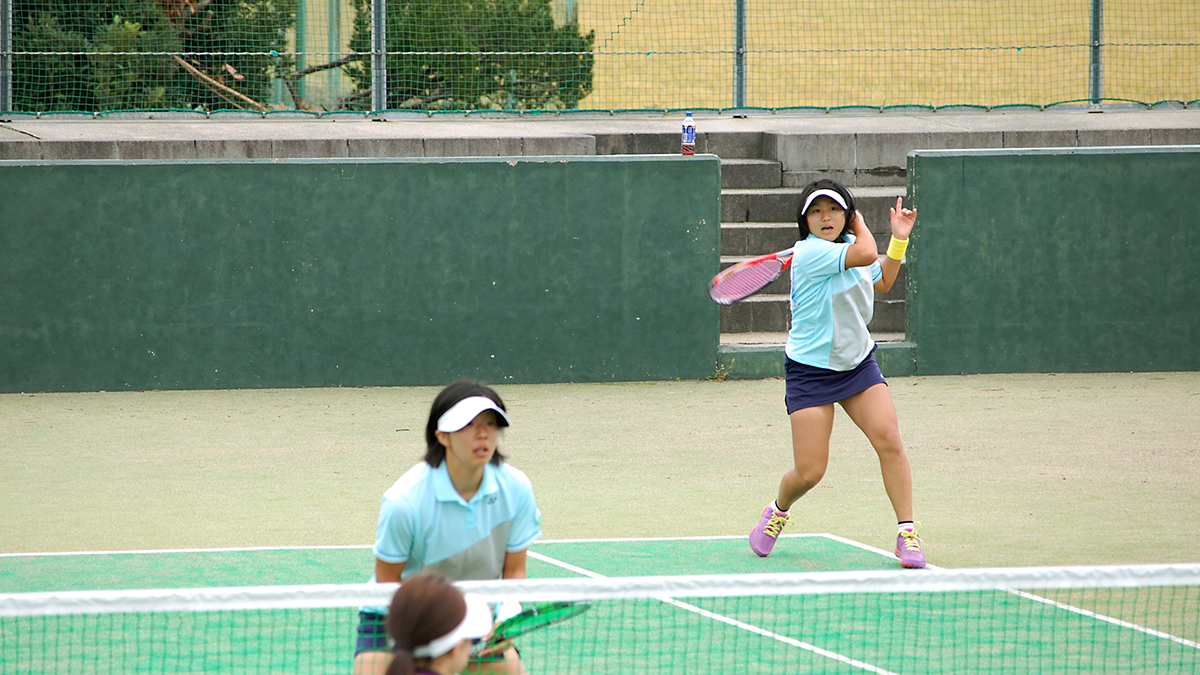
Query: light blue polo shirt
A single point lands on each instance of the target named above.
(831, 306)
(424, 522)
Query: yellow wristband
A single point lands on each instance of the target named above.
(896, 248)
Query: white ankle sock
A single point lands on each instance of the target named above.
(775, 505)
(906, 525)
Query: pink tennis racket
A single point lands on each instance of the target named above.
(748, 277)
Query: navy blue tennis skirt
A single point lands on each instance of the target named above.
(808, 386)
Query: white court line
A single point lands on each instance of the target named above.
(184, 550)
(364, 546)
(1107, 619)
(1047, 601)
(859, 544)
(850, 542)
(711, 537)
(729, 621)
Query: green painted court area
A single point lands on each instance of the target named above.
(353, 564)
(946, 632)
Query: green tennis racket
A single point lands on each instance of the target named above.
(533, 618)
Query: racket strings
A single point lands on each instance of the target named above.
(739, 282)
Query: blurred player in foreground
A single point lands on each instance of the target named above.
(433, 625)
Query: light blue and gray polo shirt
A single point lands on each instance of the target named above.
(831, 306)
(426, 524)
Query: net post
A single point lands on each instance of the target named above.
(739, 49)
(6, 56)
(1096, 71)
(378, 55)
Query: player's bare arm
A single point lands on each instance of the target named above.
(902, 221)
(862, 252)
(386, 572)
(514, 565)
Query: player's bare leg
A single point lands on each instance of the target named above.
(811, 429)
(509, 665)
(873, 411)
(372, 663)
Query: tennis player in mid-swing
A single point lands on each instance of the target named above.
(830, 356)
(463, 512)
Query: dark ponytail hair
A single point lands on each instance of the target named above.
(826, 184)
(425, 608)
(454, 392)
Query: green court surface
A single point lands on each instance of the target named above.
(1066, 463)
(252, 487)
(982, 631)
(204, 568)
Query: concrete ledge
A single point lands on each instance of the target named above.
(386, 147)
(896, 359)
(533, 146)
(314, 147)
(156, 149)
(635, 141)
(233, 149)
(865, 149)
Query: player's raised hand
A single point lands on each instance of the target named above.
(902, 219)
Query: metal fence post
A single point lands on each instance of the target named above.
(378, 55)
(1096, 83)
(739, 50)
(6, 55)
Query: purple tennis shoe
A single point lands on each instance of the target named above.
(763, 536)
(908, 549)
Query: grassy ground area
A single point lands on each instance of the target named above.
(904, 52)
(655, 55)
(1009, 469)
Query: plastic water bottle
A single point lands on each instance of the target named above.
(688, 146)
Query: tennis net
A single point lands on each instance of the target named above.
(1128, 619)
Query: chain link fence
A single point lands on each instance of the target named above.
(427, 56)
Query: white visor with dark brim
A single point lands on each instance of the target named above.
(476, 624)
(461, 414)
(832, 194)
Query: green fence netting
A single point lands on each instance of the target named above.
(321, 56)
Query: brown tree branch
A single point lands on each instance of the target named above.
(220, 89)
(293, 80)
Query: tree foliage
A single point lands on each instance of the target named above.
(106, 55)
(475, 54)
(89, 68)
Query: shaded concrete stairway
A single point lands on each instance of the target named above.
(764, 170)
(759, 199)
(758, 215)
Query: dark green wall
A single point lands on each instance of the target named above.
(1057, 260)
(301, 273)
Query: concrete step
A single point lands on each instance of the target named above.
(776, 205)
(761, 355)
(888, 316)
(737, 341)
(770, 313)
(751, 239)
(762, 313)
(759, 216)
(751, 173)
